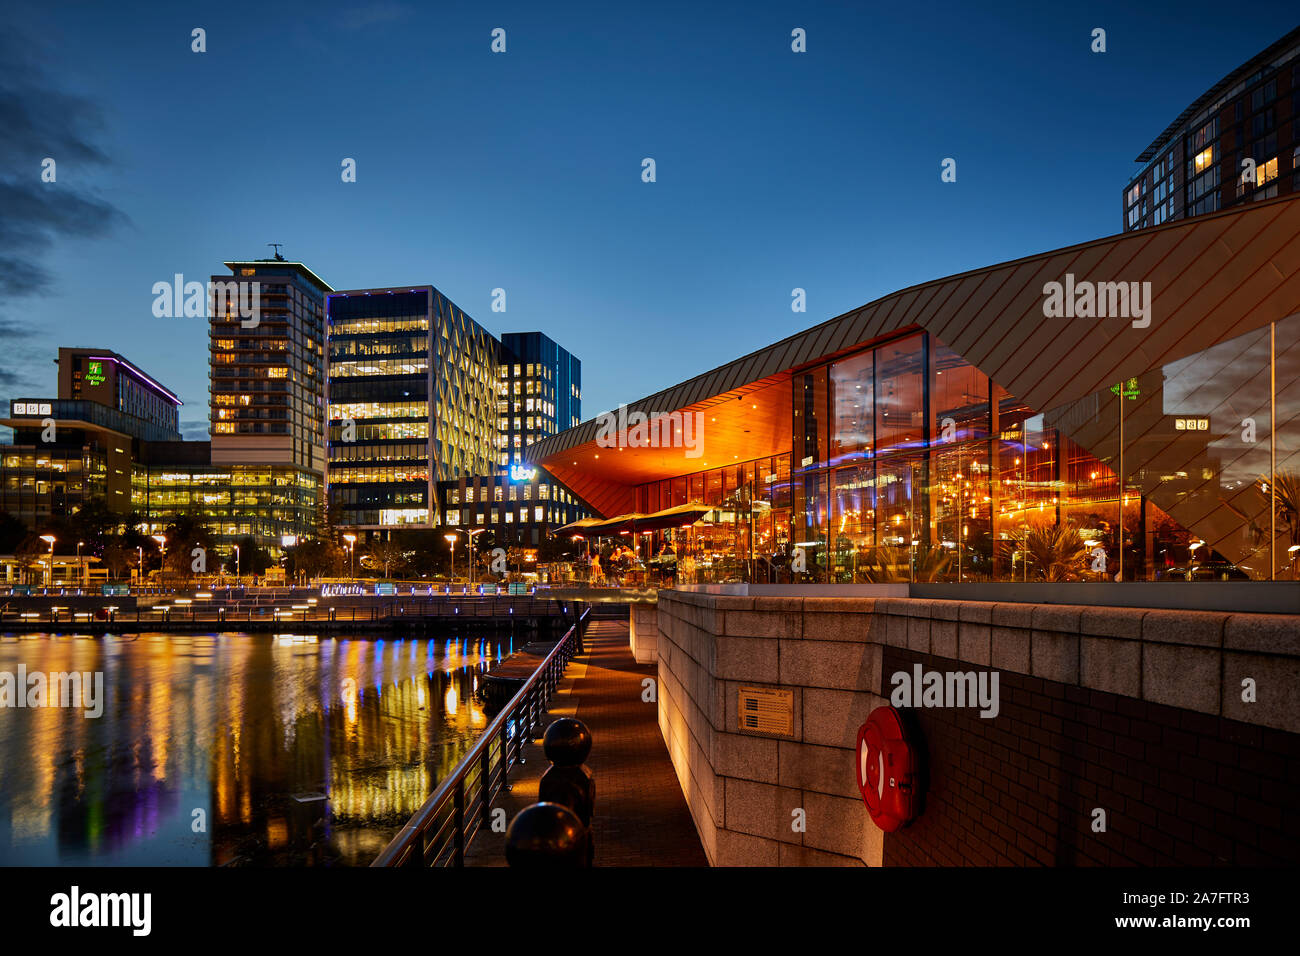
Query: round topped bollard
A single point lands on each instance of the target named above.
(546, 835)
(567, 742)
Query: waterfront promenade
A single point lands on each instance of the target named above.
(641, 817)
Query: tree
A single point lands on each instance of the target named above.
(95, 523)
(312, 558)
(118, 560)
(186, 534)
(387, 556)
(12, 532)
(253, 558)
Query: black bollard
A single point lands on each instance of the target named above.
(546, 835)
(566, 743)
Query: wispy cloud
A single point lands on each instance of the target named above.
(40, 120)
(195, 429)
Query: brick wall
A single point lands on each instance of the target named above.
(1178, 787)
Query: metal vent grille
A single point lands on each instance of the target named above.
(765, 711)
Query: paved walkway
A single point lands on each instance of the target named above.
(641, 817)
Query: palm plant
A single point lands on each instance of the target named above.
(1286, 497)
(890, 565)
(1056, 552)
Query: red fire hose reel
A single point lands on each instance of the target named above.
(888, 770)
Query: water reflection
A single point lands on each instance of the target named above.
(234, 748)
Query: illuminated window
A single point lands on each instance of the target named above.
(1203, 159)
(1266, 171)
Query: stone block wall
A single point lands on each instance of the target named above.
(1136, 712)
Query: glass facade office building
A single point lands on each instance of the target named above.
(412, 401)
(541, 393)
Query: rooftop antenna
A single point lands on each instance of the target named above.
(276, 246)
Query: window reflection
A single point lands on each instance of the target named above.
(909, 464)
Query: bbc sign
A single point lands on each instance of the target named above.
(31, 408)
(1191, 424)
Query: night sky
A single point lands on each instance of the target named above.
(522, 170)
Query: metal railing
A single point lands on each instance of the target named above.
(443, 828)
(286, 610)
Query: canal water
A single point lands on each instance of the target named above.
(233, 749)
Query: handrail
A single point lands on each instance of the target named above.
(455, 830)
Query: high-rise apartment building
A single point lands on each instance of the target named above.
(268, 371)
(1238, 142)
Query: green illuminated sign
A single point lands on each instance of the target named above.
(95, 373)
(1130, 391)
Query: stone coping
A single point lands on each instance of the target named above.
(1259, 597)
(1194, 660)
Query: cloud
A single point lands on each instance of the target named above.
(43, 121)
(21, 365)
(195, 429)
(40, 120)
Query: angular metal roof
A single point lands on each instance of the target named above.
(1212, 278)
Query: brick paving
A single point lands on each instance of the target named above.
(641, 817)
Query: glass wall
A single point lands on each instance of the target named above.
(909, 464)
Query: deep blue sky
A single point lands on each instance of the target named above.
(523, 170)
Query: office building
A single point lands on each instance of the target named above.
(541, 393)
(412, 402)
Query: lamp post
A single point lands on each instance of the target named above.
(236, 562)
(469, 534)
(49, 575)
(162, 562)
(139, 565)
(351, 539)
(451, 539)
(81, 572)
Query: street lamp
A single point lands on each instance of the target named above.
(49, 539)
(451, 538)
(81, 573)
(139, 565)
(236, 562)
(351, 539)
(162, 562)
(469, 533)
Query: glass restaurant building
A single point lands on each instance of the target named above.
(992, 426)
